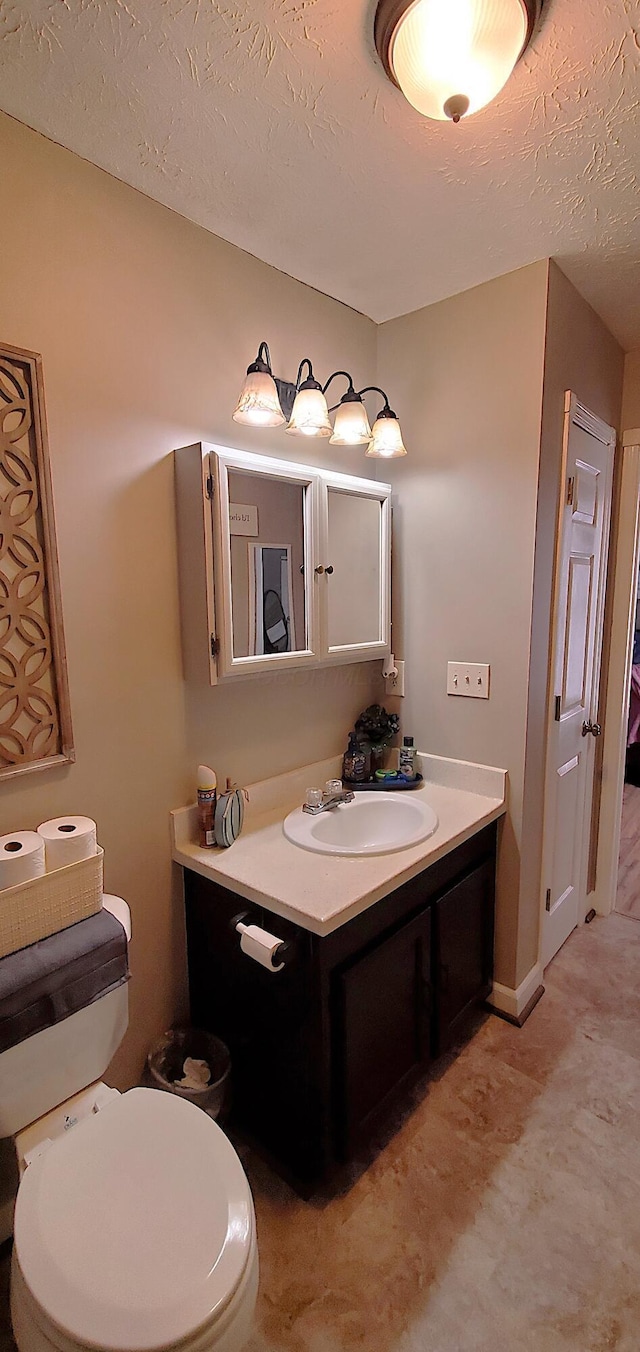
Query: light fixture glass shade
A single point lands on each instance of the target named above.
(258, 404)
(452, 57)
(386, 438)
(351, 424)
(310, 415)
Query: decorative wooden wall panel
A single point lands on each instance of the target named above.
(35, 719)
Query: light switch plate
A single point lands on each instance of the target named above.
(468, 678)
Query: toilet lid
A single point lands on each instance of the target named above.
(134, 1229)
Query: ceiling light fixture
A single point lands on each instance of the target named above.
(267, 401)
(451, 57)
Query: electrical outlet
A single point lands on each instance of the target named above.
(394, 685)
(468, 678)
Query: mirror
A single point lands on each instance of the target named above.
(266, 528)
(354, 553)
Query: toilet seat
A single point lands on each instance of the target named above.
(135, 1230)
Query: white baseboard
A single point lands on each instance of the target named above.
(514, 1002)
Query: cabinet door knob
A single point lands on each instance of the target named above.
(594, 728)
(319, 569)
(329, 569)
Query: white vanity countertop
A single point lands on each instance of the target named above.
(320, 892)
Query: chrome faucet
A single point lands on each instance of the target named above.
(326, 801)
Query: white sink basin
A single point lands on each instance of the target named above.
(374, 823)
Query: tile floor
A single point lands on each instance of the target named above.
(505, 1211)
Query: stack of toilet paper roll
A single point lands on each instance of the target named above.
(30, 854)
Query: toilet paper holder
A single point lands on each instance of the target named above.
(267, 949)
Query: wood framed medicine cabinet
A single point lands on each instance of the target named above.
(282, 566)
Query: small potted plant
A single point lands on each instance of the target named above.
(375, 730)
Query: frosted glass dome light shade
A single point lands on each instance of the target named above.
(452, 57)
(386, 437)
(351, 424)
(310, 415)
(259, 405)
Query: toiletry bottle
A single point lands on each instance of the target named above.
(407, 766)
(354, 762)
(207, 798)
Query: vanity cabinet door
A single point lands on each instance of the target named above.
(381, 1026)
(463, 950)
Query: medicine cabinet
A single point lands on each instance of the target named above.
(281, 565)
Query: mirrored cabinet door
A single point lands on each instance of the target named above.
(264, 568)
(357, 569)
(266, 542)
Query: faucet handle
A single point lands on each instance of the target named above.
(333, 786)
(313, 797)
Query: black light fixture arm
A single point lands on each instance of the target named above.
(333, 375)
(262, 361)
(386, 411)
(310, 383)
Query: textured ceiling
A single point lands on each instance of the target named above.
(271, 123)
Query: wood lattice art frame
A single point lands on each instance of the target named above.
(35, 716)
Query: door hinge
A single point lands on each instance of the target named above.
(548, 900)
(571, 483)
(557, 708)
(210, 485)
(215, 646)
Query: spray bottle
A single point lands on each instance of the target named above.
(207, 798)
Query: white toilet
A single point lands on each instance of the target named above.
(134, 1227)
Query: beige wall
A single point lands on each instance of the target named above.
(146, 324)
(631, 397)
(580, 356)
(467, 375)
(480, 379)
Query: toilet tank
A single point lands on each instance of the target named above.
(43, 1070)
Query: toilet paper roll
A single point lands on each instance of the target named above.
(260, 945)
(21, 858)
(67, 839)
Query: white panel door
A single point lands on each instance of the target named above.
(580, 583)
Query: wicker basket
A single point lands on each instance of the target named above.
(35, 909)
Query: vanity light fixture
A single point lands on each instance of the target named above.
(267, 401)
(259, 404)
(351, 424)
(309, 415)
(386, 437)
(452, 57)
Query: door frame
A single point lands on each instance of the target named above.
(255, 577)
(574, 412)
(624, 563)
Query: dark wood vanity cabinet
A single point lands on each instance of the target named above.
(323, 1050)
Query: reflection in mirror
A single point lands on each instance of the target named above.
(355, 555)
(266, 521)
